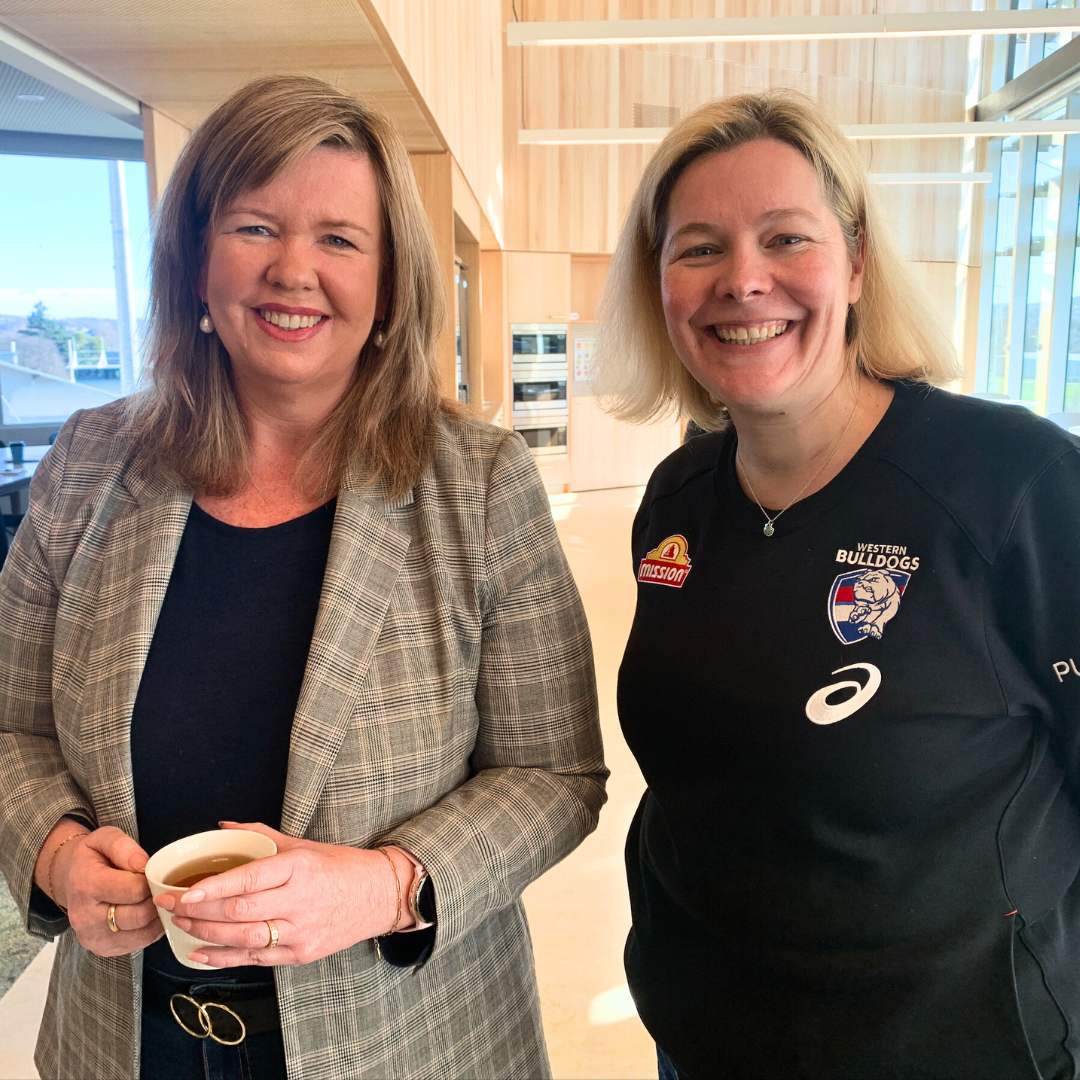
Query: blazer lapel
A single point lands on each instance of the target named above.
(366, 556)
(141, 539)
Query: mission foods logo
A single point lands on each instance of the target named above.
(667, 564)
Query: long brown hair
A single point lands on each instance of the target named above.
(889, 332)
(188, 420)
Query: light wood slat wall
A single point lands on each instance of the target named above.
(434, 178)
(494, 338)
(455, 218)
(454, 54)
(951, 306)
(184, 58)
(163, 139)
(538, 287)
(574, 198)
(587, 276)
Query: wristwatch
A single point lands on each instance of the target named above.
(422, 899)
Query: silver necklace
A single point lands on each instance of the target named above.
(770, 522)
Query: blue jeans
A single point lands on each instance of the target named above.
(169, 1053)
(665, 1067)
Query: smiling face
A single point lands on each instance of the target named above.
(756, 279)
(292, 275)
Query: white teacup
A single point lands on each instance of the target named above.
(216, 846)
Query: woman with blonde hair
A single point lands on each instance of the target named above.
(287, 584)
(858, 852)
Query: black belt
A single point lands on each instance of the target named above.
(226, 1012)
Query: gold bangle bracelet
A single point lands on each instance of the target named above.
(52, 863)
(397, 888)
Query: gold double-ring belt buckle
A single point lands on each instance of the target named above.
(206, 1021)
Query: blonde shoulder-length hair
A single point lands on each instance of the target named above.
(188, 420)
(889, 332)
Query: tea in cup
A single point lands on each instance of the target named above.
(176, 867)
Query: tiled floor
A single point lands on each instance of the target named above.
(578, 911)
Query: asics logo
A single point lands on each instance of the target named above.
(819, 710)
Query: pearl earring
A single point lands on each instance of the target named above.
(206, 324)
(378, 339)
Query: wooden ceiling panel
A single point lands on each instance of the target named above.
(567, 87)
(184, 58)
(573, 198)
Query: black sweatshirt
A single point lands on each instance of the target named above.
(857, 856)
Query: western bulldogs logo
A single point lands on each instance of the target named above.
(862, 602)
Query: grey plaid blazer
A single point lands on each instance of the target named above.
(448, 705)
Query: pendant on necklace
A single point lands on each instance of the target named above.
(768, 530)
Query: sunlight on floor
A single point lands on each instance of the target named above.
(612, 1007)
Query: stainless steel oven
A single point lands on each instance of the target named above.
(539, 393)
(545, 433)
(538, 339)
(540, 376)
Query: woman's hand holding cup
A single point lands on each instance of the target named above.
(319, 899)
(97, 877)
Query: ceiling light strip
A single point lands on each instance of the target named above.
(889, 179)
(792, 28)
(962, 129)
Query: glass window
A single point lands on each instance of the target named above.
(1053, 42)
(1030, 267)
(1024, 50)
(461, 330)
(1040, 284)
(1016, 53)
(1004, 257)
(1022, 54)
(1072, 368)
(61, 347)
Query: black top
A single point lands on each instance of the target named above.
(858, 852)
(212, 720)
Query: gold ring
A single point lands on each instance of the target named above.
(110, 918)
(272, 943)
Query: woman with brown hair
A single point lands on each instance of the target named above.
(858, 855)
(287, 584)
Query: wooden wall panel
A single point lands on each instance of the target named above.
(184, 58)
(574, 198)
(163, 139)
(537, 287)
(607, 453)
(454, 54)
(951, 295)
(494, 338)
(938, 282)
(434, 179)
(587, 276)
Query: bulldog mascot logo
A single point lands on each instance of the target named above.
(863, 602)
